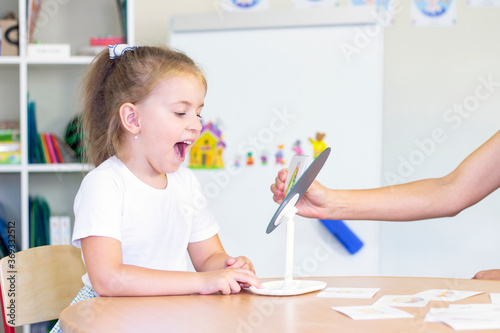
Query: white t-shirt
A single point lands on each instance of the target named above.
(154, 226)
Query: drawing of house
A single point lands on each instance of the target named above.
(206, 153)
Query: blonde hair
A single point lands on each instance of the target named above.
(109, 83)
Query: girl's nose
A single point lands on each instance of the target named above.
(195, 124)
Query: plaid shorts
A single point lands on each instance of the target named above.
(85, 293)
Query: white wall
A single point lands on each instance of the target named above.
(427, 71)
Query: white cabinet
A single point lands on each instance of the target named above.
(54, 85)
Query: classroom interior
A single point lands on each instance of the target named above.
(426, 73)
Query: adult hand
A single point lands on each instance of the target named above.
(314, 203)
(492, 274)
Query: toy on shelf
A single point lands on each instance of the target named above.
(249, 158)
(207, 151)
(297, 149)
(263, 158)
(279, 155)
(10, 145)
(318, 144)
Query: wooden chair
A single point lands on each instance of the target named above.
(41, 282)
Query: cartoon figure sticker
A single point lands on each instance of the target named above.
(318, 144)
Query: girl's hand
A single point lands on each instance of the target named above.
(228, 281)
(239, 262)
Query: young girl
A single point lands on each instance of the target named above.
(138, 211)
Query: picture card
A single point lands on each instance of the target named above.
(466, 324)
(466, 316)
(348, 292)
(402, 300)
(474, 306)
(296, 168)
(447, 295)
(371, 312)
(495, 298)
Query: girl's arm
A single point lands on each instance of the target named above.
(476, 177)
(209, 255)
(110, 277)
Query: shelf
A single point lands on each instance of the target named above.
(10, 60)
(74, 60)
(60, 167)
(10, 168)
(46, 168)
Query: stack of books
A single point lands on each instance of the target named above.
(51, 153)
(46, 147)
(10, 147)
(46, 229)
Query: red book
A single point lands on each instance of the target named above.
(50, 147)
(56, 148)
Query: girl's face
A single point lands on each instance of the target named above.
(169, 121)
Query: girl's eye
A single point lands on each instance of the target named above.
(180, 114)
(199, 116)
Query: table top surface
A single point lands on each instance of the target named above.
(247, 312)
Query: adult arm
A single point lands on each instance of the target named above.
(476, 177)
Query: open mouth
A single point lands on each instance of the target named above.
(181, 147)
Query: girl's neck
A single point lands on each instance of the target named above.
(146, 174)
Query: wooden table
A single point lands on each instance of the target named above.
(246, 312)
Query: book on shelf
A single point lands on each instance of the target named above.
(34, 143)
(39, 222)
(57, 150)
(50, 148)
(47, 229)
(45, 150)
(60, 230)
(34, 8)
(10, 146)
(46, 147)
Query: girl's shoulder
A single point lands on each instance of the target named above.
(109, 171)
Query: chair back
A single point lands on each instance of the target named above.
(38, 283)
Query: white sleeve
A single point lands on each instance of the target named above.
(98, 207)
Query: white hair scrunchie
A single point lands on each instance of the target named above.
(118, 49)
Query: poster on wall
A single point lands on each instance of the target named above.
(482, 3)
(433, 13)
(315, 3)
(243, 5)
(377, 3)
(386, 9)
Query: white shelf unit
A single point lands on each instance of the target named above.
(54, 85)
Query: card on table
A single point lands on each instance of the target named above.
(495, 298)
(402, 300)
(447, 295)
(371, 312)
(466, 316)
(348, 292)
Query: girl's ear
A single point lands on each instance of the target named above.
(129, 118)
